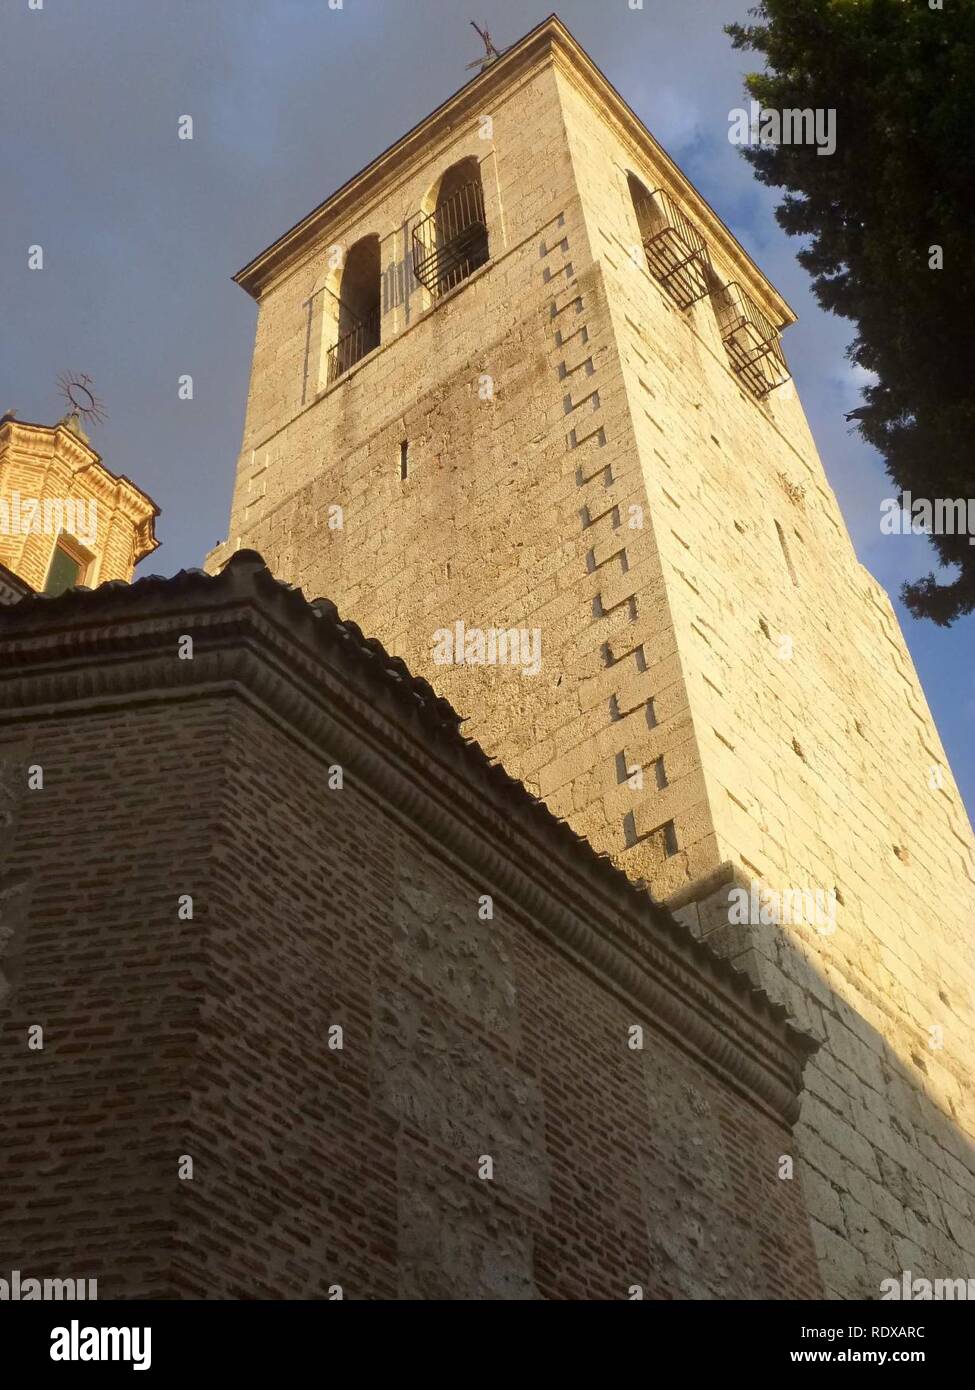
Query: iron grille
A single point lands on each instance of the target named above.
(751, 341)
(352, 346)
(452, 241)
(677, 254)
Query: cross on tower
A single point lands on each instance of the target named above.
(490, 52)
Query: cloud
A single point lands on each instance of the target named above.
(674, 119)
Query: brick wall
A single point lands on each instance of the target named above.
(109, 520)
(91, 951)
(315, 906)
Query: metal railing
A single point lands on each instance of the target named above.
(353, 345)
(751, 341)
(452, 241)
(677, 254)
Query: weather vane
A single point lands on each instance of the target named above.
(76, 388)
(490, 52)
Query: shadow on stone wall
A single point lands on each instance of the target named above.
(887, 1169)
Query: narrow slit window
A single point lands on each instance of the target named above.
(788, 557)
(404, 460)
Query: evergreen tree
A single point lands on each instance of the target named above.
(894, 202)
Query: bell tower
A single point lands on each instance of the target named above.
(65, 519)
(517, 389)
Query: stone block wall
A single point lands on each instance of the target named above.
(822, 765)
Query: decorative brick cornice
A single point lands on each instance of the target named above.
(346, 699)
(23, 441)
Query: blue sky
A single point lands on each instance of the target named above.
(142, 232)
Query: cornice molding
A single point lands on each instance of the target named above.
(254, 276)
(548, 43)
(47, 446)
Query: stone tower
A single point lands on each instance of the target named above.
(516, 374)
(65, 519)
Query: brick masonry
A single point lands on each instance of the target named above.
(105, 518)
(358, 906)
(731, 647)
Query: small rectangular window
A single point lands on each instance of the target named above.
(404, 460)
(66, 572)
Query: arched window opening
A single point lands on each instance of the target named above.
(677, 254)
(643, 207)
(359, 296)
(450, 240)
(751, 341)
(69, 566)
